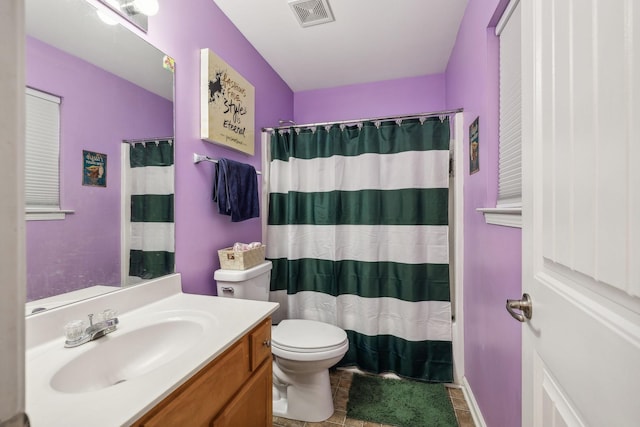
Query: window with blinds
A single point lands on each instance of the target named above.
(510, 163)
(42, 151)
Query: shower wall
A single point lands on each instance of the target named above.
(386, 98)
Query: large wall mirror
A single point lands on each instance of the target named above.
(113, 92)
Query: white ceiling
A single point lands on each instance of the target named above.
(370, 40)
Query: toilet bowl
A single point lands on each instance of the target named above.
(303, 350)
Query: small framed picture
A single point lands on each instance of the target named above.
(94, 169)
(474, 146)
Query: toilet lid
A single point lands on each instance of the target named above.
(307, 336)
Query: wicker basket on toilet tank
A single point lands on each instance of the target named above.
(232, 260)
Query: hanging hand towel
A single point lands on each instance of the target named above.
(235, 190)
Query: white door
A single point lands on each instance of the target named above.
(581, 212)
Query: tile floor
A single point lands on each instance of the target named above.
(340, 384)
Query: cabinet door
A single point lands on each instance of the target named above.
(260, 343)
(252, 407)
(201, 398)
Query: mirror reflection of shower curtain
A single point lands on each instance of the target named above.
(152, 239)
(358, 236)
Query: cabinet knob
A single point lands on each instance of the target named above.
(266, 343)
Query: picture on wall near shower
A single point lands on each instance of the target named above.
(474, 145)
(227, 105)
(94, 169)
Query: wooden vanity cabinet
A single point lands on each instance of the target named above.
(233, 390)
(246, 409)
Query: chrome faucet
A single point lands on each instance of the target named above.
(78, 333)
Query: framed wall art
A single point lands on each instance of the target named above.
(227, 103)
(474, 146)
(94, 169)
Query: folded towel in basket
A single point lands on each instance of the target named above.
(235, 190)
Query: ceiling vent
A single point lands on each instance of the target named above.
(311, 12)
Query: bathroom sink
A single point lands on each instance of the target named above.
(124, 356)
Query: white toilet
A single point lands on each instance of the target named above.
(303, 350)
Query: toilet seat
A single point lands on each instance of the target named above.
(306, 340)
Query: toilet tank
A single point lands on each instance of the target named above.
(252, 283)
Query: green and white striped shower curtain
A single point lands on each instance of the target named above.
(358, 236)
(152, 252)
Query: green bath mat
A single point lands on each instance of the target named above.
(401, 403)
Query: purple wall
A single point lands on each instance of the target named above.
(386, 98)
(181, 32)
(96, 112)
(492, 271)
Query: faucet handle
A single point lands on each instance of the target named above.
(74, 330)
(109, 314)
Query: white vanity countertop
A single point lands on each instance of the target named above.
(221, 322)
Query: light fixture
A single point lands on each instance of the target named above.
(146, 7)
(134, 11)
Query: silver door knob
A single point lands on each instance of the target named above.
(524, 305)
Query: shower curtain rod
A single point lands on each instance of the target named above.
(133, 141)
(370, 119)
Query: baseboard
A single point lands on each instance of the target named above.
(473, 404)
